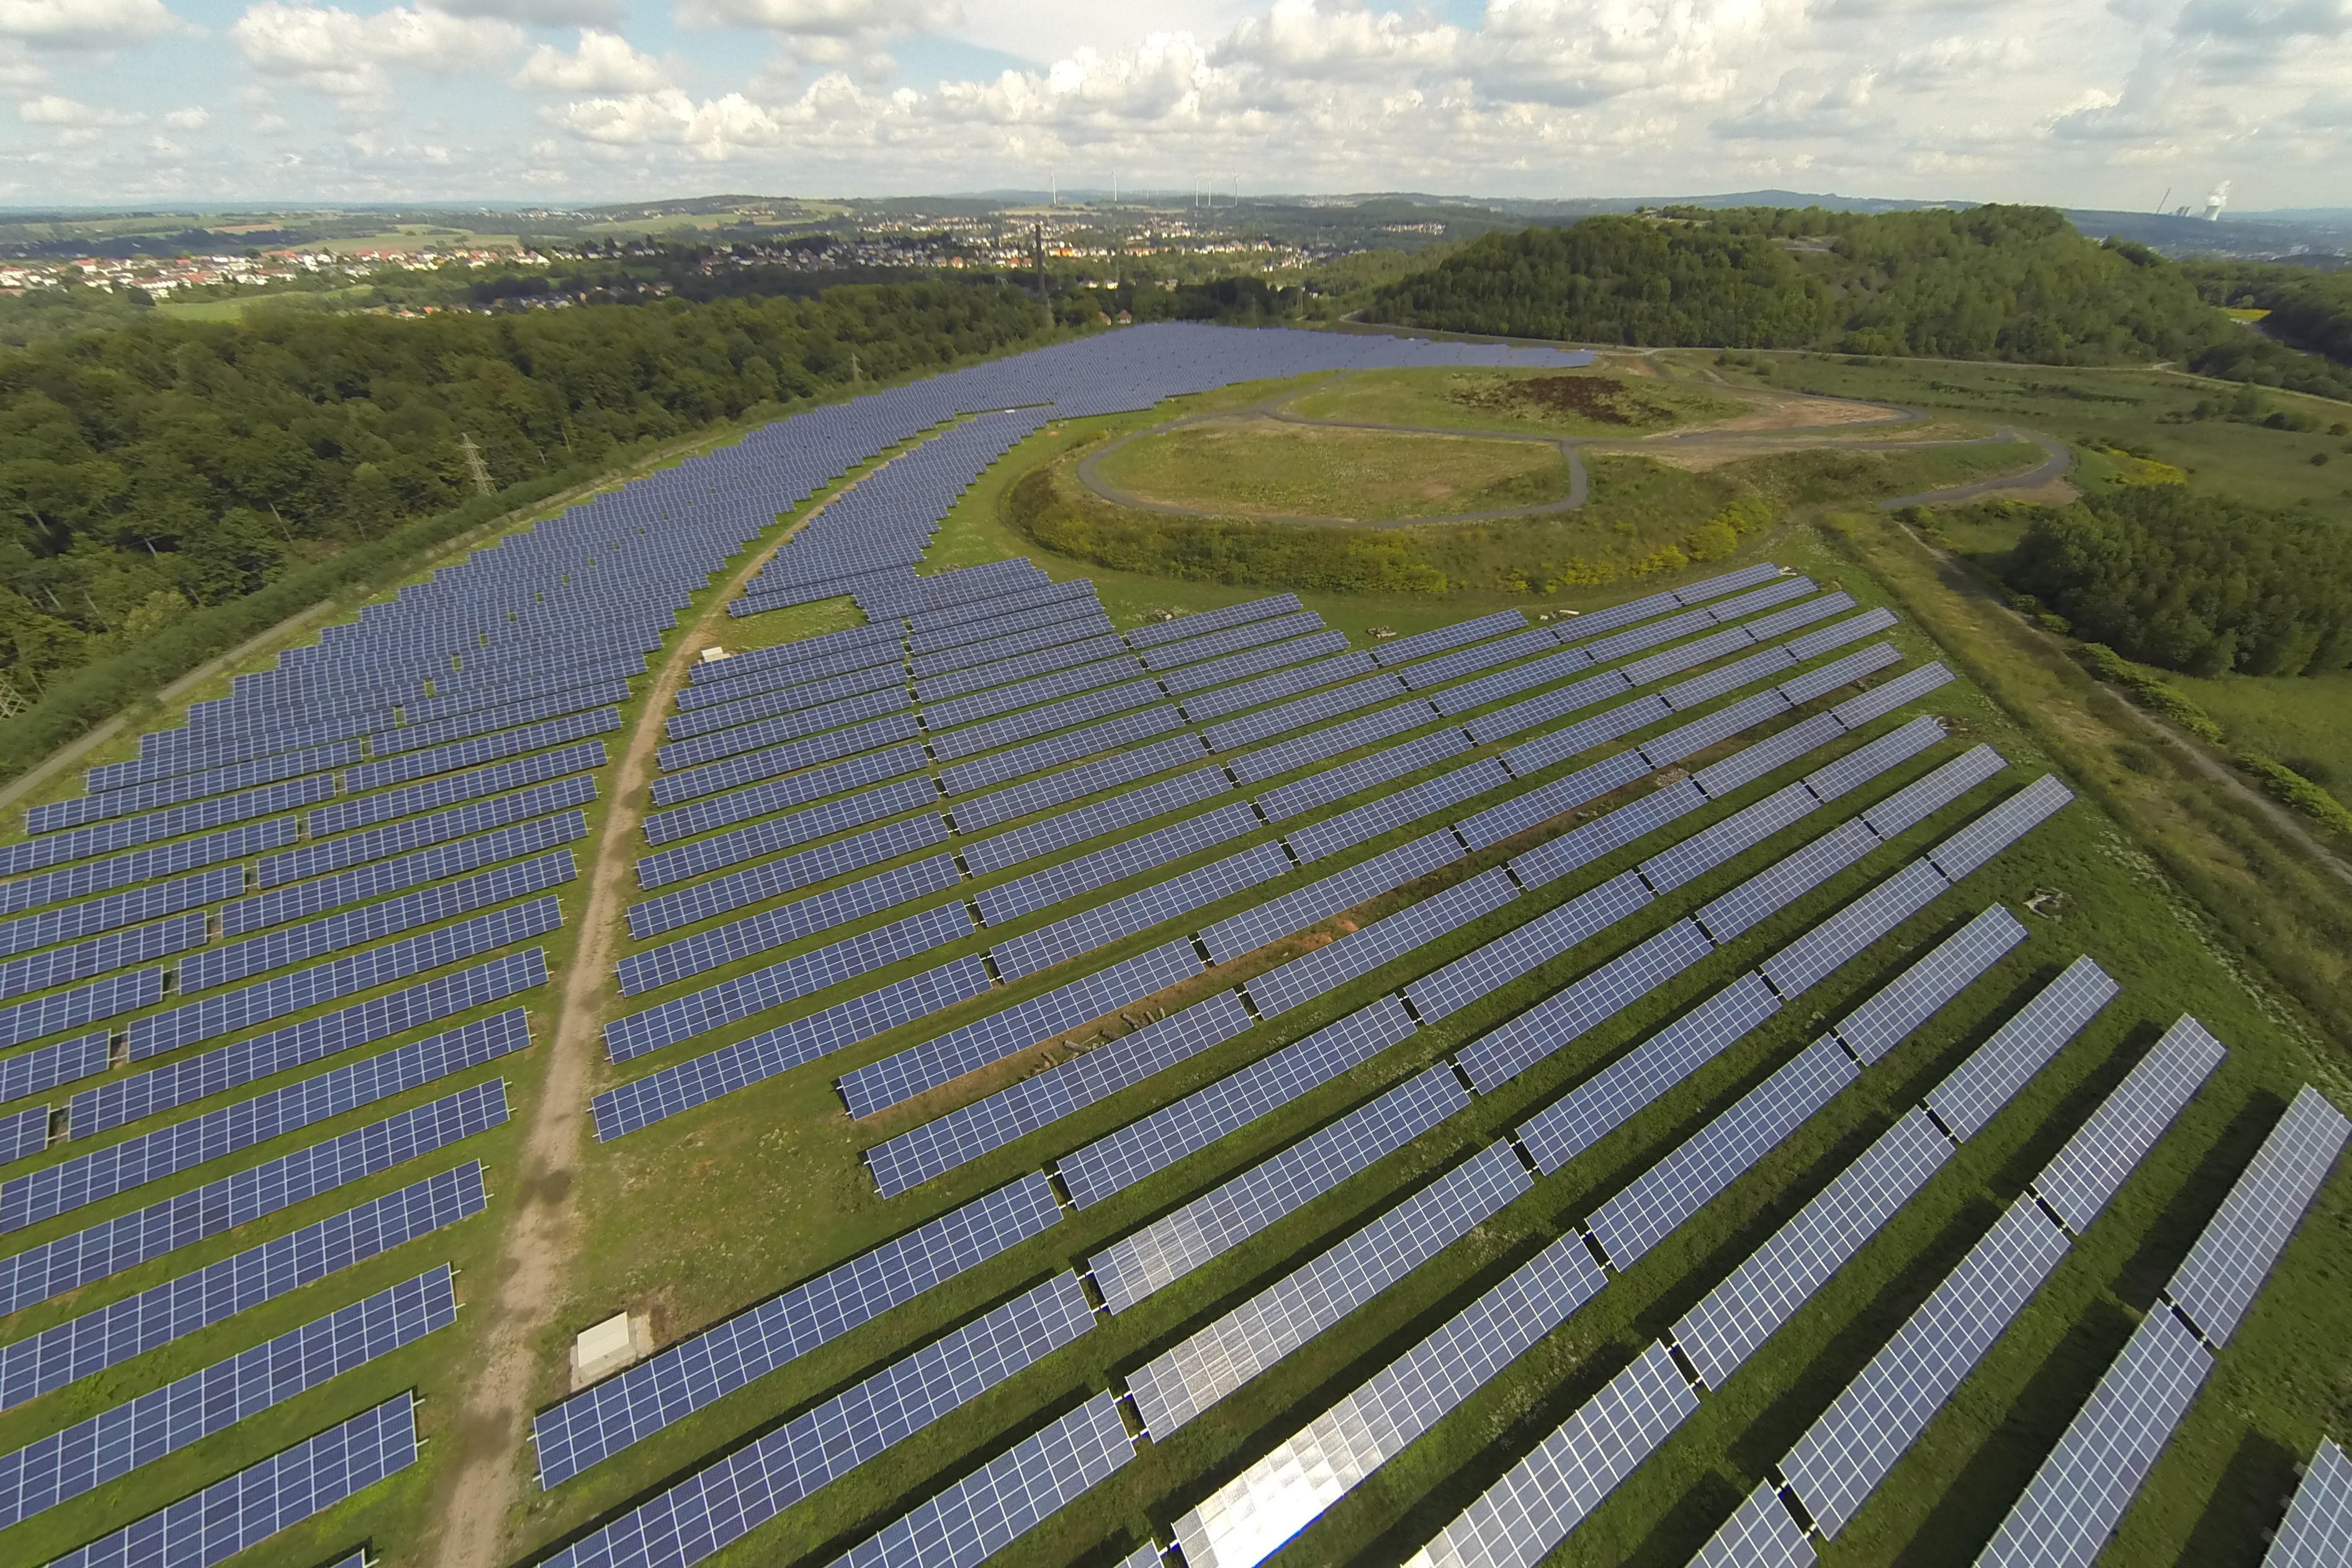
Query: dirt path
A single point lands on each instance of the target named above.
(542, 1234)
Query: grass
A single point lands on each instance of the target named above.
(2299, 719)
(1257, 468)
(1576, 403)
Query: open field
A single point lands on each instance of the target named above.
(1572, 402)
(1255, 468)
(2191, 899)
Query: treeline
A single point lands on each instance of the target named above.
(162, 466)
(2308, 308)
(2193, 583)
(1992, 282)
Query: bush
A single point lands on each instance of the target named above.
(2158, 696)
(2284, 784)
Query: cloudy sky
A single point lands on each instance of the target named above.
(2076, 101)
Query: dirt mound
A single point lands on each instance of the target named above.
(1596, 398)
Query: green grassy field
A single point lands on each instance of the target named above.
(1255, 468)
(1574, 402)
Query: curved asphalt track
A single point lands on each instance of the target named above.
(2058, 461)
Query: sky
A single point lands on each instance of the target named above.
(569, 102)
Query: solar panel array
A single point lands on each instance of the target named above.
(263, 1499)
(2218, 1280)
(112, 1444)
(2317, 1529)
(600, 1421)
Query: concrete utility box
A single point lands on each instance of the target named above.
(619, 1341)
(713, 653)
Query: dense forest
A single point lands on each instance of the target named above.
(1992, 282)
(2193, 583)
(162, 466)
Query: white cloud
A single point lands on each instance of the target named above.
(192, 117)
(714, 130)
(345, 55)
(1955, 59)
(538, 13)
(72, 113)
(84, 23)
(825, 18)
(605, 62)
(1803, 106)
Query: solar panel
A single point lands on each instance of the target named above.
(262, 1499)
(750, 767)
(2218, 1280)
(1739, 1314)
(480, 750)
(1136, 1265)
(1177, 898)
(1516, 1523)
(787, 831)
(1973, 1093)
(724, 1501)
(1710, 846)
(1853, 1446)
(1252, 727)
(1433, 673)
(1118, 1160)
(1121, 810)
(989, 734)
(1196, 1372)
(1761, 1533)
(1605, 834)
(297, 944)
(107, 838)
(969, 1132)
(1582, 1006)
(343, 815)
(1253, 662)
(1160, 634)
(1688, 741)
(1533, 757)
(673, 1091)
(1055, 750)
(73, 1262)
(1421, 644)
(1797, 615)
(23, 1134)
(142, 865)
(76, 921)
(104, 1173)
(1541, 672)
(1674, 661)
(380, 877)
(998, 1503)
(106, 998)
(2079, 1494)
(415, 737)
(1912, 998)
(38, 1070)
(1131, 857)
(1253, 1515)
(117, 788)
(990, 702)
(1851, 630)
(1686, 695)
(773, 928)
(707, 741)
(1819, 682)
(110, 1444)
(781, 794)
(1650, 636)
(1661, 1198)
(1326, 897)
(2318, 1531)
(2000, 827)
(1915, 801)
(979, 677)
(1869, 761)
(421, 832)
(1515, 816)
(1762, 598)
(730, 1001)
(216, 1016)
(139, 945)
(1609, 1098)
(110, 1336)
(1384, 941)
(789, 873)
(1879, 701)
(1125, 767)
(993, 651)
(1330, 784)
(1317, 840)
(127, 1099)
(1015, 1029)
(598, 1422)
(758, 693)
(1285, 757)
(2085, 1174)
(1753, 761)
(1821, 951)
(1487, 969)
